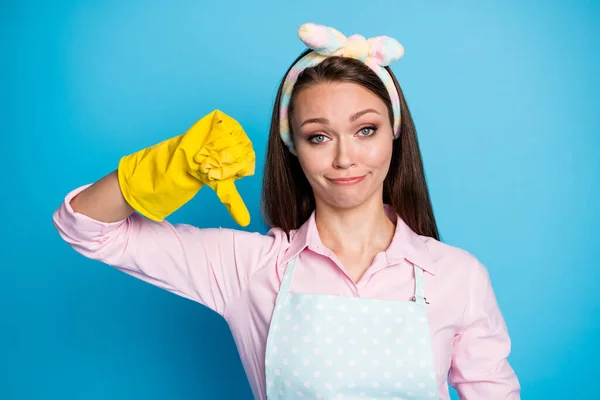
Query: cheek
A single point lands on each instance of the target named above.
(311, 162)
(378, 156)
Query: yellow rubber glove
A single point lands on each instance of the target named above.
(215, 151)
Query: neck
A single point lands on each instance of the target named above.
(357, 230)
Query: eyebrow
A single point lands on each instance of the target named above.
(352, 118)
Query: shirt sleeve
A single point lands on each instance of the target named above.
(480, 367)
(209, 266)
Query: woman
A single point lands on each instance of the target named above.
(350, 294)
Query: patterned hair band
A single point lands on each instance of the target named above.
(376, 53)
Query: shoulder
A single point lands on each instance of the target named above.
(455, 262)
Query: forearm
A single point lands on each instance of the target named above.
(103, 201)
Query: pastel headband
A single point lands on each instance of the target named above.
(376, 53)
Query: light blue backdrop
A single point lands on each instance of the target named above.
(505, 99)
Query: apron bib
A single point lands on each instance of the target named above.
(338, 347)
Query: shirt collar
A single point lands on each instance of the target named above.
(406, 244)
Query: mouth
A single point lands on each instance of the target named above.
(353, 180)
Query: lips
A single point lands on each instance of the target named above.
(347, 181)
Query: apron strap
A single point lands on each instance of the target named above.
(419, 296)
(286, 282)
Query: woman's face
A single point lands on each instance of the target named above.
(343, 140)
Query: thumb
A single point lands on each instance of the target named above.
(230, 197)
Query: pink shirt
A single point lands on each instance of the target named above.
(237, 274)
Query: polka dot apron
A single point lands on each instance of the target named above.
(337, 347)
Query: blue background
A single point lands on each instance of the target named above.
(505, 99)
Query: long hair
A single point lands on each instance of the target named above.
(287, 197)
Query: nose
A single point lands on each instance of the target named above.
(344, 155)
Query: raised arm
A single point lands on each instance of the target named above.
(207, 265)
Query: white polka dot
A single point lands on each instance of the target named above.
(375, 385)
(281, 392)
(328, 386)
(387, 331)
(288, 317)
(364, 374)
(299, 394)
(296, 328)
(362, 394)
(307, 384)
(342, 308)
(317, 374)
(317, 396)
(317, 328)
(411, 374)
(411, 309)
(388, 310)
(307, 317)
(329, 363)
(410, 329)
(411, 351)
(275, 327)
(340, 351)
(352, 363)
(341, 329)
(316, 350)
(352, 319)
(363, 352)
(287, 383)
(431, 394)
(398, 385)
(352, 341)
(285, 338)
(388, 352)
(277, 372)
(364, 309)
(375, 363)
(375, 341)
(351, 385)
(375, 320)
(399, 363)
(267, 362)
(319, 306)
(387, 374)
(364, 331)
(296, 373)
(399, 320)
(421, 385)
(432, 374)
(305, 339)
(274, 349)
(409, 393)
(294, 350)
(423, 363)
(340, 374)
(399, 340)
(423, 320)
(329, 340)
(298, 306)
(305, 362)
(269, 383)
(423, 341)
(284, 361)
(329, 318)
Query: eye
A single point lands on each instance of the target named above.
(367, 131)
(317, 139)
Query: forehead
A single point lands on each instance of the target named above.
(336, 98)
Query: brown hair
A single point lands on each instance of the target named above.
(287, 197)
